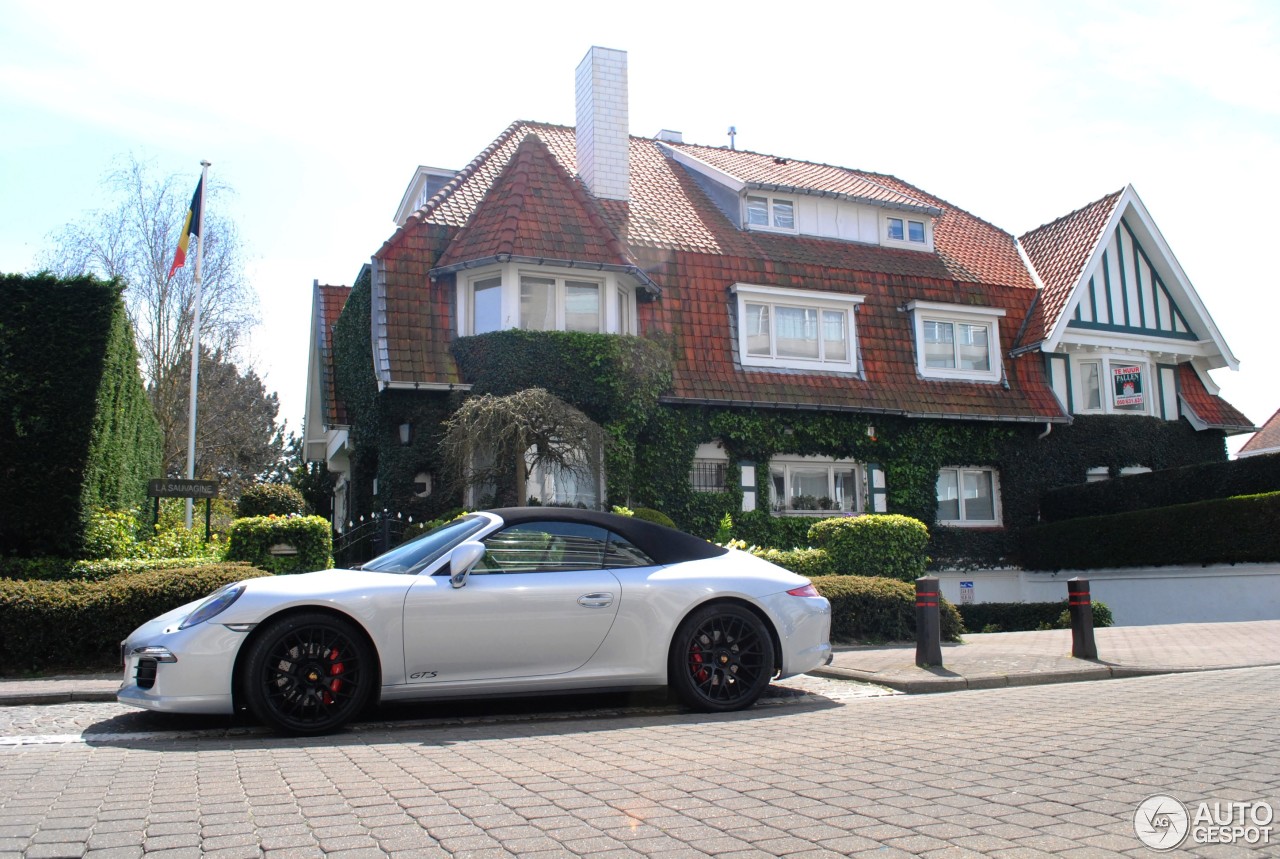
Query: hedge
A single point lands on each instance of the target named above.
(1024, 616)
(1223, 531)
(77, 429)
(874, 545)
(81, 624)
(251, 540)
(761, 528)
(805, 562)
(64, 569)
(874, 608)
(1250, 476)
(270, 499)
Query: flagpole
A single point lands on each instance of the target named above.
(195, 340)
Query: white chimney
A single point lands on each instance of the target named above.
(602, 132)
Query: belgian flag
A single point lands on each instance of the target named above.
(189, 228)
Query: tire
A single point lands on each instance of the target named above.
(721, 659)
(308, 674)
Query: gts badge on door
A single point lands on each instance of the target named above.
(423, 675)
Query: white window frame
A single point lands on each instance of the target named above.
(806, 299)
(771, 206)
(907, 218)
(785, 464)
(1106, 362)
(617, 298)
(997, 512)
(930, 311)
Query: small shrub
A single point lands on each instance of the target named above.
(1024, 616)
(874, 545)
(874, 608)
(251, 540)
(805, 562)
(724, 531)
(111, 534)
(270, 499)
(74, 624)
(648, 514)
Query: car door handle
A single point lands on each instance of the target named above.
(595, 600)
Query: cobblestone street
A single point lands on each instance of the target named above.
(1050, 770)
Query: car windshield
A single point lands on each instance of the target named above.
(417, 554)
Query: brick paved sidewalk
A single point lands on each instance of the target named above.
(982, 661)
(1032, 658)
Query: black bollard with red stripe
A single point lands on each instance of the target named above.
(1080, 604)
(928, 623)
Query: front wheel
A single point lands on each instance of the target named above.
(721, 659)
(308, 674)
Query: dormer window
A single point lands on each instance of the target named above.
(957, 341)
(905, 230)
(796, 329)
(771, 213)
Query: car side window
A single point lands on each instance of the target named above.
(544, 547)
(621, 552)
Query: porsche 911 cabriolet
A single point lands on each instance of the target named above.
(506, 602)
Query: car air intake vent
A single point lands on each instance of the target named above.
(146, 676)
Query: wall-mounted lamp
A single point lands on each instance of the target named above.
(406, 434)
(871, 432)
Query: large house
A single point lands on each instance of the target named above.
(762, 336)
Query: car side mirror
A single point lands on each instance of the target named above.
(462, 560)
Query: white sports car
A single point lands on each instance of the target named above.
(522, 600)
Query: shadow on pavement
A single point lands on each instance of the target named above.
(478, 719)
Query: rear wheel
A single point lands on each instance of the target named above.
(721, 659)
(308, 673)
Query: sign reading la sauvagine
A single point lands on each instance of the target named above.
(176, 487)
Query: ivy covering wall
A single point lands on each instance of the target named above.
(76, 428)
(619, 381)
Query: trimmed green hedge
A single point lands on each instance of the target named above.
(648, 514)
(1223, 531)
(1250, 476)
(77, 430)
(1025, 616)
(81, 624)
(874, 545)
(251, 540)
(865, 608)
(63, 569)
(270, 499)
(805, 562)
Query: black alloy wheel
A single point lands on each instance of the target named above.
(308, 674)
(721, 659)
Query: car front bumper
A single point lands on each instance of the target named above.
(180, 670)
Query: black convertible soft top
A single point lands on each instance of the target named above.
(665, 545)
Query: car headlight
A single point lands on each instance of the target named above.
(213, 606)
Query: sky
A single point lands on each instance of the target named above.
(317, 115)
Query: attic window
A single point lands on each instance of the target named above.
(905, 230)
(771, 213)
(960, 342)
(796, 328)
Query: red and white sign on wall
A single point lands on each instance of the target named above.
(1127, 385)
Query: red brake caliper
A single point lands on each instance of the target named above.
(695, 656)
(335, 670)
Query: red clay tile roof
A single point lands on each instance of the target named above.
(535, 208)
(698, 311)
(686, 244)
(1265, 439)
(331, 299)
(1059, 250)
(1209, 408)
